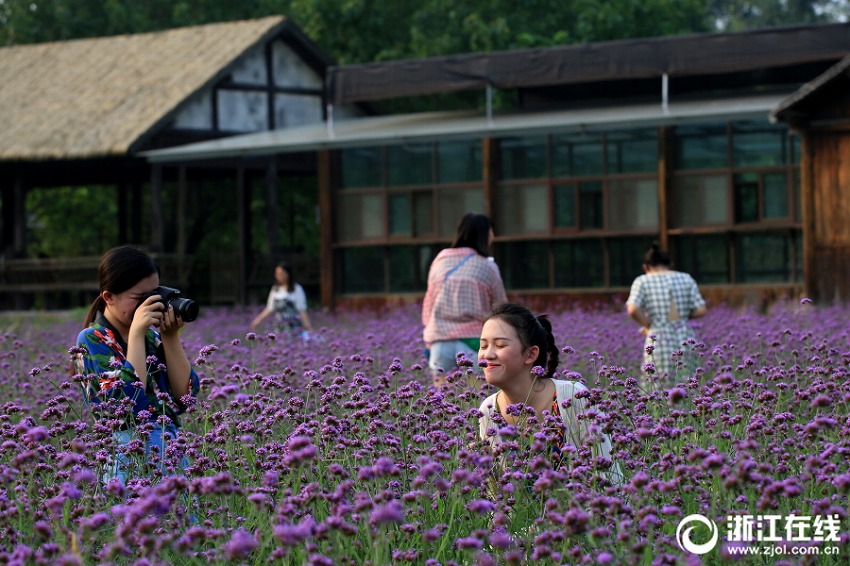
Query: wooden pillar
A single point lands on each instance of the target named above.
(272, 213)
(7, 245)
(123, 213)
(807, 215)
(326, 217)
(156, 239)
(135, 213)
(665, 165)
(489, 173)
(243, 205)
(19, 206)
(180, 248)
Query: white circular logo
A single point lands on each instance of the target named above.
(683, 537)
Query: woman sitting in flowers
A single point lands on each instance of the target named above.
(120, 357)
(519, 356)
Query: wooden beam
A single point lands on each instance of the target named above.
(243, 206)
(272, 212)
(326, 232)
(123, 213)
(807, 214)
(19, 205)
(156, 238)
(489, 173)
(182, 233)
(7, 196)
(665, 165)
(136, 213)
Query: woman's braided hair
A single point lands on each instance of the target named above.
(532, 331)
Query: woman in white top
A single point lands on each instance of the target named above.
(288, 302)
(519, 356)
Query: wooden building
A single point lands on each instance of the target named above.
(79, 113)
(604, 148)
(820, 112)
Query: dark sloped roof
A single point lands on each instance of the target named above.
(98, 97)
(687, 55)
(788, 107)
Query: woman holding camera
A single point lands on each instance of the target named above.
(121, 356)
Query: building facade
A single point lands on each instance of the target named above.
(603, 149)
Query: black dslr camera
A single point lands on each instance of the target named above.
(187, 309)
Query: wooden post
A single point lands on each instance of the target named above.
(7, 246)
(807, 214)
(180, 249)
(19, 205)
(272, 207)
(156, 238)
(244, 245)
(489, 173)
(665, 165)
(123, 213)
(135, 213)
(326, 236)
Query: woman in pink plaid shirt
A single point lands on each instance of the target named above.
(464, 285)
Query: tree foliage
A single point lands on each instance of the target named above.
(360, 31)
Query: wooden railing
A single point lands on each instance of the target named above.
(23, 279)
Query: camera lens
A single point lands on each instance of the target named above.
(187, 309)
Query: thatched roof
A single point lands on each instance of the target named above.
(101, 97)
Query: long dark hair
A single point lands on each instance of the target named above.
(532, 331)
(473, 231)
(655, 256)
(290, 281)
(119, 269)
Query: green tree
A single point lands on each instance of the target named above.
(738, 15)
(56, 228)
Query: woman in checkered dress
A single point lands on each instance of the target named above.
(662, 301)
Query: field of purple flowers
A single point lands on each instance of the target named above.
(337, 451)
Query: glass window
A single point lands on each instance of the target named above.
(408, 266)
(362, 270)
(523, 158)
(400, 221)
(590, 205)
(566, 215)
(747, 197)
(625, 258)
(796, 149)
(453, 204)
(706, 257)
(521, 209)
(775, 195)
(575, 155)
(579, 263)
(361, 167)
(409, 164)
(460, 161)
(632, 204)
(759, 144)
(764, 258)
(524, 265)
(699, 201)
(798, 203)
(423, 213)
(363, 217)
(798, 256)
(701, 147)
(634, 151)
(407, 221)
